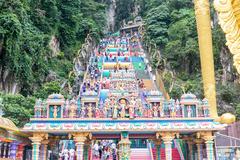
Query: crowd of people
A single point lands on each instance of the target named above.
(105, 149)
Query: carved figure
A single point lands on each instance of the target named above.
(55, 110)
(189, 111)
(89, 111)
(131, 112)
(115, 111)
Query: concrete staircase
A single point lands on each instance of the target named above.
(142, 74)
(140, 154)
(175, 154)
(149, 84)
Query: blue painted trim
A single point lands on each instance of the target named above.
(123, 121)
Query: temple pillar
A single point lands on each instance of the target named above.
(13, 150)
(190, 148)
(202, 12)
(44, 149)
(9, 150)
(124, 147)
(20, 151)
(79, 139)
(158, 144)
(209, 141)
(209, 148)
(36, 142)
(5, 145)
(1, 149)
(167, 138)
(199, 144)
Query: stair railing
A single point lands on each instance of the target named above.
(150, 149)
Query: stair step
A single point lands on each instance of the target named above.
(140, 154)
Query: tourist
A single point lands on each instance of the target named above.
(96, 150)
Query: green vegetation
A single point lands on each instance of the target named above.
(26, 58)
(171, 37)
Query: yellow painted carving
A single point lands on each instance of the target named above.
(229, 20)
(202, 12)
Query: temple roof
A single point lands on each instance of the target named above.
(7, 124)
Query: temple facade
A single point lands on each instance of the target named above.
(119, 101)
(120, 112)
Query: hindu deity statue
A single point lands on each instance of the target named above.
(115, 112)
(97, 113)
(189, 111)
(72, 109)
(140, 111)
(155, 110)
(89, 108)
(131, 112)
(65, 109)
(206, 111)
(160, 109)
(55, 110)
(83, 111)
(172, 108)
(124, 108)
(149, 112)
(178, 109)
(105, 111)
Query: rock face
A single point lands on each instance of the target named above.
(111, 16)
(54, 45)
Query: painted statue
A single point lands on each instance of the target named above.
(55, 110)
(189, 111)
(172, 109)
(131, 112)
(105, 110)
(83, 112)
(155, 110)
(160, 109)
(72, 110)
(149, 113)
(206, 111)
(89, 111)
(178, 109)
(115, 112)
(122, 112)
(97, 113)
(140, 111)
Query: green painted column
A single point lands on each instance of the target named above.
(209, 149)
(158, 143)
(124, 147)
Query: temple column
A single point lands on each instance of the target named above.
(199, 144)
(5, 145)
(13, 150)
(124, 147)
(209, 141)
(190, 148)
(1, 149)
(79, 139)
(202, 12)
(20, 151)
(44, 149)
(35, 148)
(158, 143)
(167, 138)
(36, 142)
(209, 148)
